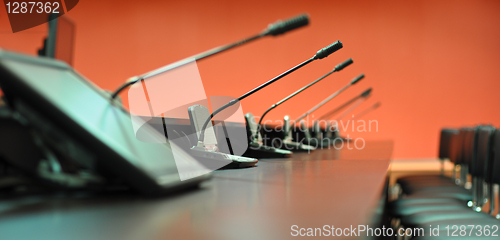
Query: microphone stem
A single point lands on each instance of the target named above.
(349, 110)
(199, 56)
(185, 61)
(364, 112)
(276, 78)
(322, 103)
(339, 108)
(262, 117)
(290, 96)
(232, 102)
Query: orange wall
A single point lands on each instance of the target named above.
(431, 63)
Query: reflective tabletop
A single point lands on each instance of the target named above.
(330, 187)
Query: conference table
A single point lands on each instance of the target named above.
(334, 187)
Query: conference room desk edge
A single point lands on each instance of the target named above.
(339, 188)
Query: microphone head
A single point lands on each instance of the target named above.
(343, 65)
(280, 27)
(325, 52)
(354, 81)
(366, 93)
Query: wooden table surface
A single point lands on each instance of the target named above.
(325, 187)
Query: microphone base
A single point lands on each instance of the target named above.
(257, 150)
(320, 143)
(295, 146)
(218, 160)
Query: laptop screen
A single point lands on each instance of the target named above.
(89, 107)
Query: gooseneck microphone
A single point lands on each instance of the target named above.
(322, 53)
(354, 81)
(336, 69)
(366, 111)
(273, 29)
(359, 100)
(365, 94)
(352, 108)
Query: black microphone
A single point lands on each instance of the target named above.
(336, 69)
(354, 81)
(365, 94)
(322, 53)
(280, 27)
(273, 29)
(349, 110)
(376, 105)
(366, 111)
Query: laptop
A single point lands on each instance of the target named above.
(81, 122)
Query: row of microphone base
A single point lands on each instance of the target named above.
(271, 143)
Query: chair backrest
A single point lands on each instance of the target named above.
(198, 114)
(495, 169)
(456, 147)
(252, 128)
(480, 168)
(462, 152)
(445, 142)
(467, 146)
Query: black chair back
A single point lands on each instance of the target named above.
(483, 160)
(455, 148)
(495, 156)
(445, 142)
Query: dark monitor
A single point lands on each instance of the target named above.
(60, 41)
(60, 102)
